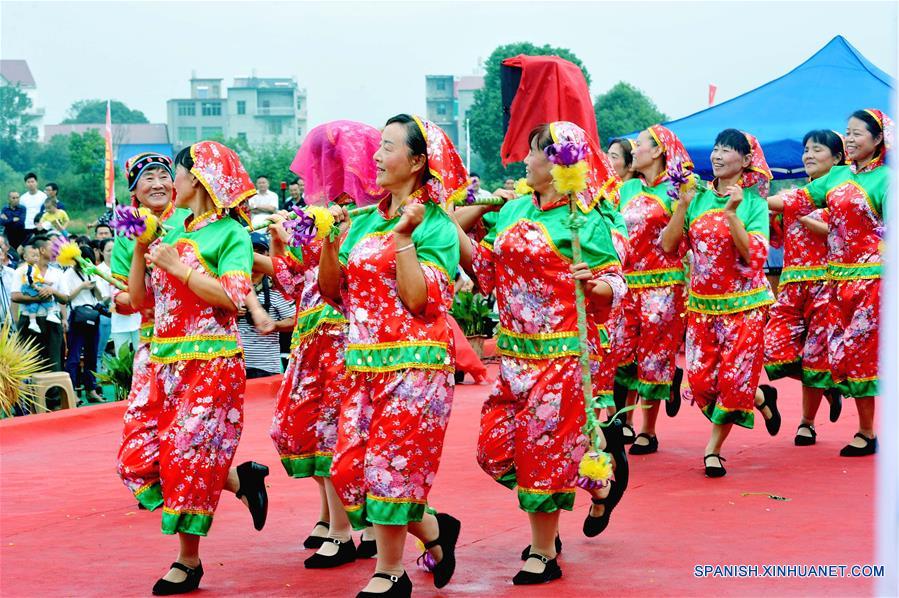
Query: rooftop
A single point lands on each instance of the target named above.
(122, 134)
(16, 72)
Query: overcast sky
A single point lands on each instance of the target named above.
(367, 61)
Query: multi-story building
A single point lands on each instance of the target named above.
(15, 73)
(256, 109)
(448, 99)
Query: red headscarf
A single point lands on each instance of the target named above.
(338, 158)
(219, 170)
(552, 89)
(757, 173)
(449, 179)
(888, 128)
(675, 152)
(602, 182)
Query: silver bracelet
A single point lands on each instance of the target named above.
(402, 249)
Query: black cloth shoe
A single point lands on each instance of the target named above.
(251, 476)
(593, 526)
(550, 572)
(672, 406)
(711, 471)
(835, 398)
(401, 588)
(644, 449)
(527, 550)
(448, 528)
(860, 451)
(367, 549)
(163, 587)
(770, 401)
(346, 553)
(316, 541)
(803, 440)
(630, 436)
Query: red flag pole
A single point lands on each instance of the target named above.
(109, 173)
(712, 89)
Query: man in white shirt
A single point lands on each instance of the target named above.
(264, 203)
(33, 200)
(476, 186)
(49, 340)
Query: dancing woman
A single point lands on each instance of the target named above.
(856, 198)
(796, 332)
(393, 272)
(336, 163)
(621, 157)
(726, 226)
(531, 435)
(200, 278)
(654, 306)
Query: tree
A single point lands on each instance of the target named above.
(17, 136)
(624, 109)
(486, 114)
(87, 153)
(94, 111)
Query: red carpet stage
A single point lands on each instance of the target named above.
(70, 528)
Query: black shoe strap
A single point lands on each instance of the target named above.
(388, 576)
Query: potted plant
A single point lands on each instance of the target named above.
(118, 371)
(476, 318)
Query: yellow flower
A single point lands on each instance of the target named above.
(324, 220)
(596, 466)
(152, 226)
(68, 254)
(20, 359)
(570, 179)
(522, 187)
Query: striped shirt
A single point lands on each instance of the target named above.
(264, 352)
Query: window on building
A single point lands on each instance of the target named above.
(441, 109)
(212, 108)
(441, 85)
(241, 107)
(187, 109)
(274, 127)
(187, 135)
(242, 136)
(299, 103)
(202, 92)
(210, 132)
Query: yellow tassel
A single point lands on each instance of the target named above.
(570, 179)
(596, 466)
(324, 221)
(522, 187)
(68, 253)
(152, 226)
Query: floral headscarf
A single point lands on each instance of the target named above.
(675, 152)
(757, 173)
(449, 179)
(602, 182)
(888, 128)
(337, 158)
(219, 169)
(842, 139)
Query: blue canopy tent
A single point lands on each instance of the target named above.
(820, 93)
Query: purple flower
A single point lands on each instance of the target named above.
(588, 484)
(678, 177)
(566, 153)
(301, 228)
(127, 222)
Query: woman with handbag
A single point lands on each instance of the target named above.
(84, 326)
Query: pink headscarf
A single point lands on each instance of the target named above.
(449, 179)
(338, 158)
(888, 128)
(757, 173)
